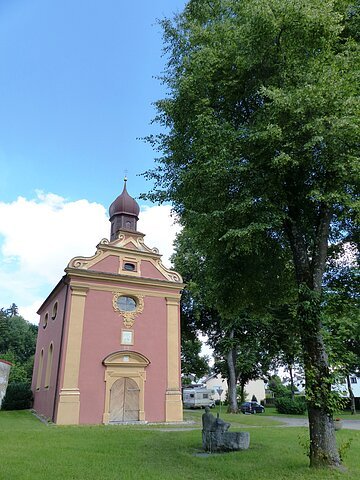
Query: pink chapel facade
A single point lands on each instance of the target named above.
(108, 348)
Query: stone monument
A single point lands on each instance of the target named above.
(216, 438)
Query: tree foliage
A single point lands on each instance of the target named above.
(241, 341)
(17, 344)
(260, 157)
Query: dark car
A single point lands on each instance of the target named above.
(252, 407)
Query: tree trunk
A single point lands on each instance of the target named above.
(351, 394)
(290, 368)
(231, 364)
(323, 449)
(309, 263)
(242, 391)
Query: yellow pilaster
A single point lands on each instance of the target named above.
(69, 397)
(173, 393)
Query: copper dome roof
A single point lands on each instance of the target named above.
(124, 204)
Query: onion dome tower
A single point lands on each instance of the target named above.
(124, 213)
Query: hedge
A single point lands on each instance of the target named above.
(18, 397)
(289, 406)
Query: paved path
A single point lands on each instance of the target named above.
(303, 422)
(285, 422)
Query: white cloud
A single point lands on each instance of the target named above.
(41, 235)
(160, 228)
(29, 311)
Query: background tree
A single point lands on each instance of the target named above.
(286, 347)
(246, 342)
(17, 344)
(260, 155)
(342, 319)
(192, 361)
(243, 343)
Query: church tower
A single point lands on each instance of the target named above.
(124, 213)
(108, 348)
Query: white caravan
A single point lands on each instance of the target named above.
(200, 397)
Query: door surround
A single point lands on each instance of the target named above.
(124, 364)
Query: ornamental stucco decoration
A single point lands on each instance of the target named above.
(169, 274)
(85, 262)
(129, 317)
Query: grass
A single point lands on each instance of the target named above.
(31, 450)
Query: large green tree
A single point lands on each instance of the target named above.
(260, 152)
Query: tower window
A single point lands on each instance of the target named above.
(130, 267)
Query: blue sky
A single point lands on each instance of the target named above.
(76, 90)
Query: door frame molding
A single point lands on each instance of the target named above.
(121, 364)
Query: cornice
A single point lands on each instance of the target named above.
(117, 277)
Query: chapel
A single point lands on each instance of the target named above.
(108, 347)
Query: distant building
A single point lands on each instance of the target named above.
(108, 348)
(254, 387)
(342, 387)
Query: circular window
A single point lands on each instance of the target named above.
(126, 304)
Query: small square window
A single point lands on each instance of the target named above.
(353, 380)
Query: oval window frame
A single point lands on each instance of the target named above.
(128, 316)
(127, 298)
(129, 267)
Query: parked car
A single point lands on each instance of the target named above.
(251, 407)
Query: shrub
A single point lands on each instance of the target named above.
(18, 397)
(289, 406)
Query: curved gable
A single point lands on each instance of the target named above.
(126, 357)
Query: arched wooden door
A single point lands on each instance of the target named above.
(124, 400)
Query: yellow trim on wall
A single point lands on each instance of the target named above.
(132, 291)
(173, 402)
(69, 397)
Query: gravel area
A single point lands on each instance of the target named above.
(303, 422)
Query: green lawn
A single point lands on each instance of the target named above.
(31, 450)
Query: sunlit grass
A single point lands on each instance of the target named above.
(31, 450)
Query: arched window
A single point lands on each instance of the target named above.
(46, 320)
(49, 365)
(54, 310)
(40, 368)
